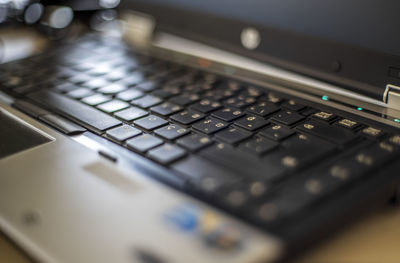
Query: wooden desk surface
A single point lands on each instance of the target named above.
(375, 239)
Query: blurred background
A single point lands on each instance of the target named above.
(27, 26)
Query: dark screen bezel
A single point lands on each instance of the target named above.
(357, 69)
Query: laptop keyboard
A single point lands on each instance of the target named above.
(259, 154)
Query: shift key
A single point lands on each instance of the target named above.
(90, 117)
(328, 132)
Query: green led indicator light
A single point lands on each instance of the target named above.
(325, 97)
(359, 108)
(397, 120)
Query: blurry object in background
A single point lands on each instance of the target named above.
(17, 43)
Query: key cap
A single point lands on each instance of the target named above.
(30, 108)
(65, 87)
(167, 153)
(187, 117)
(233, 135)
(147, 86)
(96, 83)
(123, 133)
(206, 106)
(258, 146)
(91, 117)
(204, 175)
(171, 132)
(185, 99)
(228, 114)
(273, 98)
(210, 125)
(166, 109)
(130, 94)
(62, 124)
(328, 132)
(131, 114)
(287, 117)
(346, 123)
(166, 92)
(80, 93)
(263, 108)
(79, 79)
(113, 106)
(150, 122)
(143, 143)
(293, 105)
(194, 142)
(113, 89)
(372, 133)
(276, 132)
(325, 116)
(96, 99)
(240, 101)
(147, 101)
(242, 163)
(134, 79)
(251, 122)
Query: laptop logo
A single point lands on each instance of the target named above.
(250, 38)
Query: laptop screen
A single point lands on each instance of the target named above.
(355, 44)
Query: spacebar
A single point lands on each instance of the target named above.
(89, 117)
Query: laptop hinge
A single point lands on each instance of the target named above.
(392, 96)
(138, 28)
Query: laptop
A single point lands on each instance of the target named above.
(213, 131)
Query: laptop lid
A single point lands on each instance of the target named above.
(354, 45)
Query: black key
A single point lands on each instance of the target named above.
(171, 132)
(242, 163)
(113, 89)
(308, 111)
(395, 139)
(323, 115)
(293, 105)
(123, 133)
(328, 132)
(96, 99)
(252, 92)
(233, 135)
(263, 108)
(187, 117)
(251, 122)
(218, 94)
(240, 101)
(228, 114)
(166, 109)
(276, 132)
(130, 94)
(147, 101)
(150, 122)
(210, 125)
(167, 92)
(273, 98)
(77, 110)
(194, 142)
(372, 133)
(302, 150)
(204, 175)
(185, 99)
(113, 106)
(258, 146)
(131, 114)
(147, 86)
(349, 124)
(287, 117)
(80, 93)
(206, 106)
(143, 143)
(167, 153)
(134, 79)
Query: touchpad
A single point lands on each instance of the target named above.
(15, 136)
